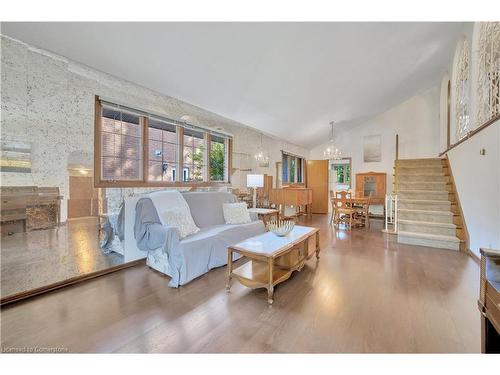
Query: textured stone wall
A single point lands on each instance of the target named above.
(48, 101)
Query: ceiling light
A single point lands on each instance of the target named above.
(261, 156)
(331, 150)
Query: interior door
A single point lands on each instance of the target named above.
(317, 180)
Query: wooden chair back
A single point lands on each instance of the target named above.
(341, 198)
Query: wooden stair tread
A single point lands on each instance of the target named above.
(421, 174)
(432, 212)
(428, 236)
(426, 201)
(410, 166)
(423, 182)
(420, 159)
(428, 223)
(422, 191)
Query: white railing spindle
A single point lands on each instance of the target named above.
(391, 213)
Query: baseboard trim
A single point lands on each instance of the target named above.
(474, 257)
(61, 284)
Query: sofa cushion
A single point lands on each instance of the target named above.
(178, 218)
(206, 207)
(236, 213)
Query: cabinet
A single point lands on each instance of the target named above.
(371, 185)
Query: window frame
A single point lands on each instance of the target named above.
(99, 182)
(298, 165)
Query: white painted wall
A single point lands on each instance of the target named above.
(477, 181)
(477, 177)
(443, 113)
(47, 100)
(416, 121)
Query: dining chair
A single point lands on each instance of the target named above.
(333, 203)
(343, 211)
(334, 200)
(362, 212)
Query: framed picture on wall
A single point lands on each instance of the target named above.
(372, 148)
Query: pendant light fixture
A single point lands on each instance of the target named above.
(261, 156)
(331, 151)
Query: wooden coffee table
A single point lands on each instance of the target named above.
(272, 258)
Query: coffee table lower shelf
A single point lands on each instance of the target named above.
(254, 274)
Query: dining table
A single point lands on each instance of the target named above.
(362, 204)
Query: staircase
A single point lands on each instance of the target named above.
(428, 213)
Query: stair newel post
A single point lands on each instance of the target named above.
(386, 212)
(397, 146)
(396, 164)
(396, 213)
(390, 213)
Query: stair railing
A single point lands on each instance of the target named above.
(396, 158)
(391, 213)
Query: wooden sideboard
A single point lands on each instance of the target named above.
(298, 197)
(371, 185)
(27, 208)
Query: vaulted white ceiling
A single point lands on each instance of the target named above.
(287, 79)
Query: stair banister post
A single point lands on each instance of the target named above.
(391, 213)
(396, 213)
(397, 146)
(386, 207)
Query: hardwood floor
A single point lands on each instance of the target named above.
(366, 294)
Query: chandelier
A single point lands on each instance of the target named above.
(261, 156)
(331, 151)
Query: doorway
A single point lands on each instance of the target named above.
(340, 174)
(83, 197)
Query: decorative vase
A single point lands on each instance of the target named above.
(281, 227)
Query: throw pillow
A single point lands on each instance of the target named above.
(178, 218)
(236, 213)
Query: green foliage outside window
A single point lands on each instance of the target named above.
(197, 157)
(217, 158)
(343, 173)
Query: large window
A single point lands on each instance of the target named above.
(134, 148)
(121, 139)
(292, 169)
